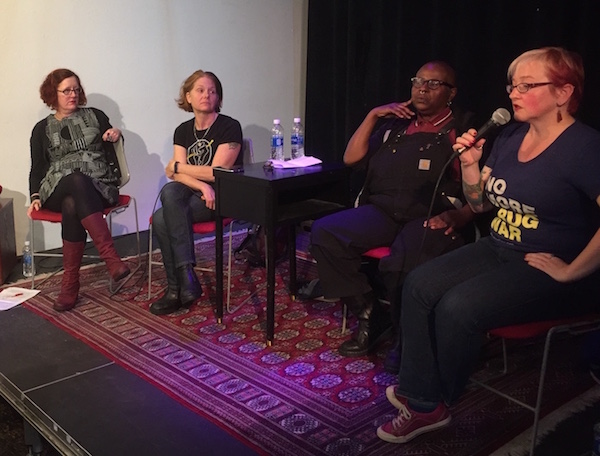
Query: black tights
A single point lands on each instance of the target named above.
(75, 197)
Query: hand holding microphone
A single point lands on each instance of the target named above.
(470, 138)
(468, 149)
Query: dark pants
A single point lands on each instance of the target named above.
(450, 302)
(339, 240)
(172, 224)
(75, 197)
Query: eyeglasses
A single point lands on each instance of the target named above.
(433, 84)
(67, 92)
(524, 87)
(210, 92)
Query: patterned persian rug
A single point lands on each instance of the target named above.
(298, 397)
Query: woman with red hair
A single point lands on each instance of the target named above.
(541, 260)
(70, 174)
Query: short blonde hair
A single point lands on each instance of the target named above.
(563, 67)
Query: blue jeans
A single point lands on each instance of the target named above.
(450, 302)
(172, 224)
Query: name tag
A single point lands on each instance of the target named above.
(424, 164)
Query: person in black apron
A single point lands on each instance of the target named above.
(403, 160)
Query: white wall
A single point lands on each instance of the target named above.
(132, 56)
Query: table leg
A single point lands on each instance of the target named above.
(292, 258)
(270, 260)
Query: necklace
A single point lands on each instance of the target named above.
(205, 131)
(435, 124)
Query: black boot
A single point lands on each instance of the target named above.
(190, 289)
(393, 282)
(371, 329)
(168, 302)
(391, 363)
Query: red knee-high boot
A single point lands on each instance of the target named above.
(96, 226)
(69, 287)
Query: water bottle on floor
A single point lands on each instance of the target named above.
(27, 260)
(277, 140)
(297, 139)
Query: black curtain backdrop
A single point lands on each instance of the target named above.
(362, 53)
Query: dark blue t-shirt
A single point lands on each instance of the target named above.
(547, 204)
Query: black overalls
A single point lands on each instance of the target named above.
(400, 180)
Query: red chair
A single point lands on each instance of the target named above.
(45, 215)
(377, 253)
(573, 326)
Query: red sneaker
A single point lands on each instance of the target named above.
(409, 424)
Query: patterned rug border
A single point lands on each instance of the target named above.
(195, 363)
(137, 369)
(110, 313)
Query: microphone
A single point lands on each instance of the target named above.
(499, 117)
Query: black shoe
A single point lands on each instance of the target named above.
(370, 334)
(372, 325)
(168, 303)
(391, 363)
(364, 341)
(312, 291)
(190, 289)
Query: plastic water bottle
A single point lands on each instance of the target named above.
(277, 140)
(27, 260)
(297, 139)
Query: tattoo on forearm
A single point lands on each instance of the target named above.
(474, 194)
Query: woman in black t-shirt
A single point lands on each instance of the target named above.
(208, 140)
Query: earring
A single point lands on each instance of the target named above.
(558, 116)
(449, 103)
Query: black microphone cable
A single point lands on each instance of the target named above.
(430, 210)
(499, 117)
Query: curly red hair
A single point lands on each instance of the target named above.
(49, 88)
